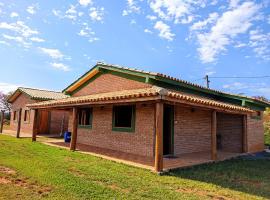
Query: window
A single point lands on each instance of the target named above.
(26, 116)
(85, 117)
(124, 118)
(14, 116)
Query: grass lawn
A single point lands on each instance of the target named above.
(34, 171)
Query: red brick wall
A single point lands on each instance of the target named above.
(20, 102)
(255, 134)
(57, 117)
(27, 126)
(140, 142)
(192, 130)
(109, 83)
(230, 127)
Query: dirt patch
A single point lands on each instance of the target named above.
(202, 193)
(255, 183)
(10, 177)
(116, 187)
(6, 170)
(76, 172)
(4, 180)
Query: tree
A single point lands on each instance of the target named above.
(4, 105)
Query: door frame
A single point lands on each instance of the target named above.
(172, 107)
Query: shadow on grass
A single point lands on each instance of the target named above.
(248, 176)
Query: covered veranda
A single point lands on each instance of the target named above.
(159, 97)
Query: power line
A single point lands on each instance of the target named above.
(239, 77)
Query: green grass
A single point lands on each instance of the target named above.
(52, 173)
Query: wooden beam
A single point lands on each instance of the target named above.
(2, 120)
(245, 145)
(74, 129)
(35, 126)
(214, 135)
(19, 123)
(159, 137)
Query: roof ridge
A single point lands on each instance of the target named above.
(178, 80)
(40, 89)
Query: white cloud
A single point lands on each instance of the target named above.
(132, 7)
(19, 27)
(228, 26)
(53, 53)
(31, 9)
(71, 13)
(85, 2)
(4, 42)
(7, 87)
(87, 32)
(60, 66)
(234, 3)
(164, 31)
(148, 31)
(133, 21)
(17, 39)
(151, 17)
(96, 14)
(57, 13)
(260, 42)
(93, 39)
(202, 24)
(37, 39)
(14, 14)
(179, 11)
(83, 33)
(235, 86)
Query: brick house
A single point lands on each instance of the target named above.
(156, 117)
(51, 121)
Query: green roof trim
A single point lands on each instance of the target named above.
(171, 83)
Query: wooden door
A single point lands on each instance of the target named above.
(43, 122)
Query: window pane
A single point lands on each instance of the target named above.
(85, 116)
(123, 116)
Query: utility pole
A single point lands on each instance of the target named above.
(207, 81)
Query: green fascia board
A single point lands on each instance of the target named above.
(64, 90)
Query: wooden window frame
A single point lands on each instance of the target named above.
(133, 119)
(88, 126)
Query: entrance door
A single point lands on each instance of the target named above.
(43, 118)
(168, 123)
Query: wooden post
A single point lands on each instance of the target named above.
(35, 126)
(214, 136)
(2, 120)
(19, 123)
(74, 129)
(245, 146)
(159, 137)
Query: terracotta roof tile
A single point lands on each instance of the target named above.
(37, 94)
(138, 93)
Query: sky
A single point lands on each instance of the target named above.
(49, 44)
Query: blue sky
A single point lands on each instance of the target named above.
(48, 44)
